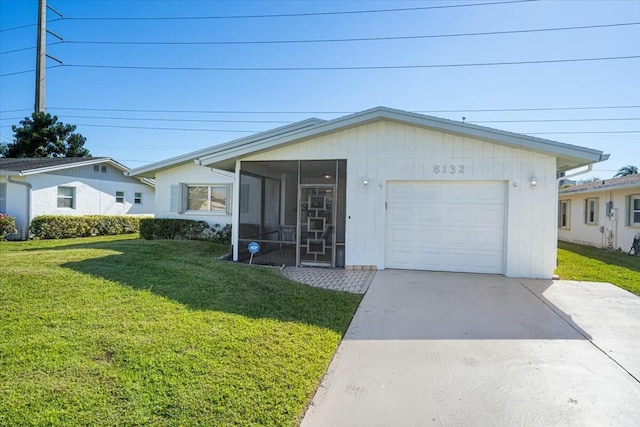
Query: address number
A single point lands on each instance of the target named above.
(451, 169)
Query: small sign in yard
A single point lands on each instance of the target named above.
(254, 248)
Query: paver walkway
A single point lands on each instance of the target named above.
(354, 281)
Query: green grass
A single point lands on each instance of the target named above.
(121, 331)
(576, 262)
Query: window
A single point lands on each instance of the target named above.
(119, 196)
(564, 214)
(3, 197)
(103, 169)
(210, 198)
(635, 210)
(137, 198)
(96, 168)
(66, 197)
(591, 211)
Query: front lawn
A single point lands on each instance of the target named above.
(576, 262)
(121, 331)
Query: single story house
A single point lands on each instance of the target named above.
(382, 188)
(70, 186)
(605, 214)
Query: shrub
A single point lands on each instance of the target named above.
(7, 225)
(218, 234)
(169, 228)
(64, 227)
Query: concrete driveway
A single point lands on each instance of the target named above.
(430, 348)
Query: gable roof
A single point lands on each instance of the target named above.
(604, 185)
(31, 165)
(194, 156)
(224, 156)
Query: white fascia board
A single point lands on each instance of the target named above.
(580, 155)
(568, 192)
(150, 170)
(74, 165)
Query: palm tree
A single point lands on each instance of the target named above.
(627, 170)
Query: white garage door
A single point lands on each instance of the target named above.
(446, 226)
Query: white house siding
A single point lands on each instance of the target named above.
(188, 174)
(587, 234)
(386, 151)
(92, 197)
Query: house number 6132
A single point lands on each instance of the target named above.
(452, 169)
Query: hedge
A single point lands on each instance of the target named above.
(7, 225)
(64, 227)
(170, 228)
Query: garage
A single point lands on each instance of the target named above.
(456, 226)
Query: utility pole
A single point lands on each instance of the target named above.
(41, 54)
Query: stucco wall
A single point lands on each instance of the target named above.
(92, 197)
(387, 151)
(188, 174)
(588, 234)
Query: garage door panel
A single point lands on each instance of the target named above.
(448, 226)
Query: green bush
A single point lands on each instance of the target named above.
(219, 234)
(64, 227)
(169, 228)
(7, 225)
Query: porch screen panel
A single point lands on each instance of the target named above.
(271, 208)
(250, 207)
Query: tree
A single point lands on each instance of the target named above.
(626, 171)
(589, 180)
(41, 135)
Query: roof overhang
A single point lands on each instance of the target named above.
(568, 156)
(53, 168)
(149, 171)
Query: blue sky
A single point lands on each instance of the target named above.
(263, 99)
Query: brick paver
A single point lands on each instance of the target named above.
(354, 281)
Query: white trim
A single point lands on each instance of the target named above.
(151, 169)
(574, 156)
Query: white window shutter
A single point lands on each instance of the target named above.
(184, 198)
(627, 210)
(174, 198)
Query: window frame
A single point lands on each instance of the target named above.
(591, 211)
(211, 210)
(65, 197)
(137, 198)
(120, 197)
(567, 214)
(632, 210)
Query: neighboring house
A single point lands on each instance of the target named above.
(385, 188)
(605, 213)
(70, 186)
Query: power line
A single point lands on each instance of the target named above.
(292, 15)
(26, 71)
(342, 68)
(2, 30)
(557, 120)
(156, 119)
(254, 131)
(165, 128)
(580, 133)
(359, 39)
(130, 110)
(166, 119)
(26, 48)
(17, 28)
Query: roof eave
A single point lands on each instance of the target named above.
(575, 156)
